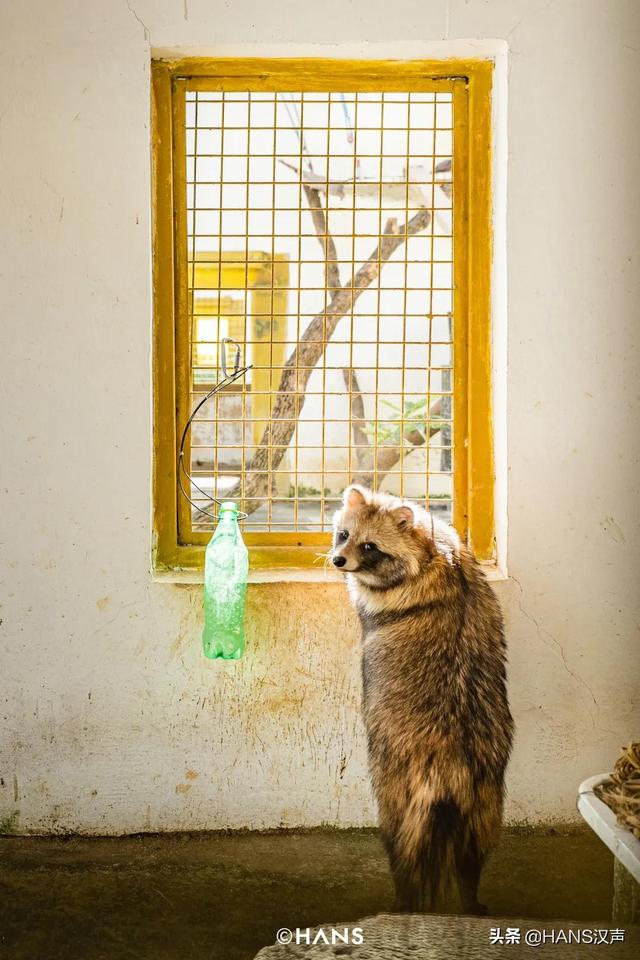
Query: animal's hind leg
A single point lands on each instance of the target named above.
(409, 886)
(408, 880)
(469, 862)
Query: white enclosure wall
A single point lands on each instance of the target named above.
(112, 719)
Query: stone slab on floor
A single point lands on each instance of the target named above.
(446, 937)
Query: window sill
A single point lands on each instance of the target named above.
(493, 571)
(269, 575)
(288, 575)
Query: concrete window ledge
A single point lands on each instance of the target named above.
(290, 575)
(270, 575)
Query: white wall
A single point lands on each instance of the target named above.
(112, 720)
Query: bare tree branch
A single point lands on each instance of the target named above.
(331, 269)
(356, 411)
(380, 460)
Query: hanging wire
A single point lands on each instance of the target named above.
(349, 128)
(227, 379)
(347, 118)
(291, 106)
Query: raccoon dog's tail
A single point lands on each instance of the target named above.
(444, 836)
(423, 854)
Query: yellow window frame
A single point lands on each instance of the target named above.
(470, 82)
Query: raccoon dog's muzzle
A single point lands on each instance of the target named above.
(343, 564)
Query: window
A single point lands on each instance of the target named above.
(332, 217)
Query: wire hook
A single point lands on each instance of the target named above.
(223, 357)
(227, 379)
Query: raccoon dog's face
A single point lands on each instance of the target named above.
(374, 539)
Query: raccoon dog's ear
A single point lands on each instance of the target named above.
(404, 517)
(354, 496)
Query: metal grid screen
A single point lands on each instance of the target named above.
(319, 236)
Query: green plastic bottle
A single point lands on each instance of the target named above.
(226, 567)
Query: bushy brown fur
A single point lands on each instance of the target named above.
(435, 703)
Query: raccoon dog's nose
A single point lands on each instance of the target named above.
(339, 561)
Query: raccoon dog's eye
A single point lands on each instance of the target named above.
(343, 535)
(368, 547)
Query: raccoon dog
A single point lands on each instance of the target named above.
(435, 704)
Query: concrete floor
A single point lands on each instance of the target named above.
(222, 897)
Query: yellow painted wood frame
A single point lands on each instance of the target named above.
(470, 82)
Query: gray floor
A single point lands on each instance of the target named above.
(222, 897)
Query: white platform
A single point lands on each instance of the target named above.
(622, 843)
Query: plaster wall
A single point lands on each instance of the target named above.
(111, 719)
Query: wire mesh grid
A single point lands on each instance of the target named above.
(319, 237)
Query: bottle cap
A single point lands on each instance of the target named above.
(229, 506)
